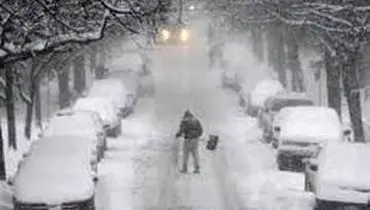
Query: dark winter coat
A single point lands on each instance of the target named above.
(190, 128)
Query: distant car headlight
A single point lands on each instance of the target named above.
(165, 34)
(184, 35)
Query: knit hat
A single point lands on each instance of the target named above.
(188, 114)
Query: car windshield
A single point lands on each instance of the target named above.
(277, 105)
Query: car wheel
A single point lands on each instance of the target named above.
(307, 187)
(325, 205)
(100, 154)
(268, 139)
(281, 163)
(274, 143)
(241, 102)
(265, 136)
(118, 129)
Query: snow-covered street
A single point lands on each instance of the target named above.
(140, 170)
(184, 105)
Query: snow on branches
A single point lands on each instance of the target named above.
(32, 27)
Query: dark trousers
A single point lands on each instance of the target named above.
(191, 146)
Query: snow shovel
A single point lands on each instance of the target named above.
(212, 142)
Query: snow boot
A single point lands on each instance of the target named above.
(196, 171)
(184, 169)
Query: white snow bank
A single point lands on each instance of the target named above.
(312, 124)
(265, 89)
(12, 157)
(268, 190)
(106, 109)
(57, 170)
(6, 193)
(346, 165)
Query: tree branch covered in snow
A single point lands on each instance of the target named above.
(32, 27)
(338, 23)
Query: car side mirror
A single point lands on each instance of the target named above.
(105, 127)
(347, 132)
(312, 164)
(313, 167)
(277, 129)
(100, 134)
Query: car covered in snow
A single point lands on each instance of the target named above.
(107, 110)
(135, 62)
(273, 105)
(259, 94)
(340, 176)
(231, 79)
(82, 123)
(113, 89)
(56, 174)
(302, 130)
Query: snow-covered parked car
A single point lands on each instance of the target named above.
(302, 130)
(231, 79)
(273, 105)
(113, 89)
(340, 176)
(82, 123)
(263, 90)
(107, 110)
(56, 174)
(131, 82)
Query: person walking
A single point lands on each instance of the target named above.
(191, 129)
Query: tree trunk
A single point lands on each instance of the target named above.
(29, 115)
(63, 85)
(93, 57)
(102, 54)
(333, 84)
(30, 106)
(351, 85)
(293, 63)
(38, 107)
(79, 74)
(2, 156)
(257, 43)
(276, 52)
(9, 92)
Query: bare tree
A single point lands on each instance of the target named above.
(9, 92)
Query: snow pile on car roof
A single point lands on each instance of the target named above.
(311, 123)
(128, 61)
(346, 165)
(112, 89)
(57, 170)
(107, 87)
(81, 123)
(106, 109)
(265, 89)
